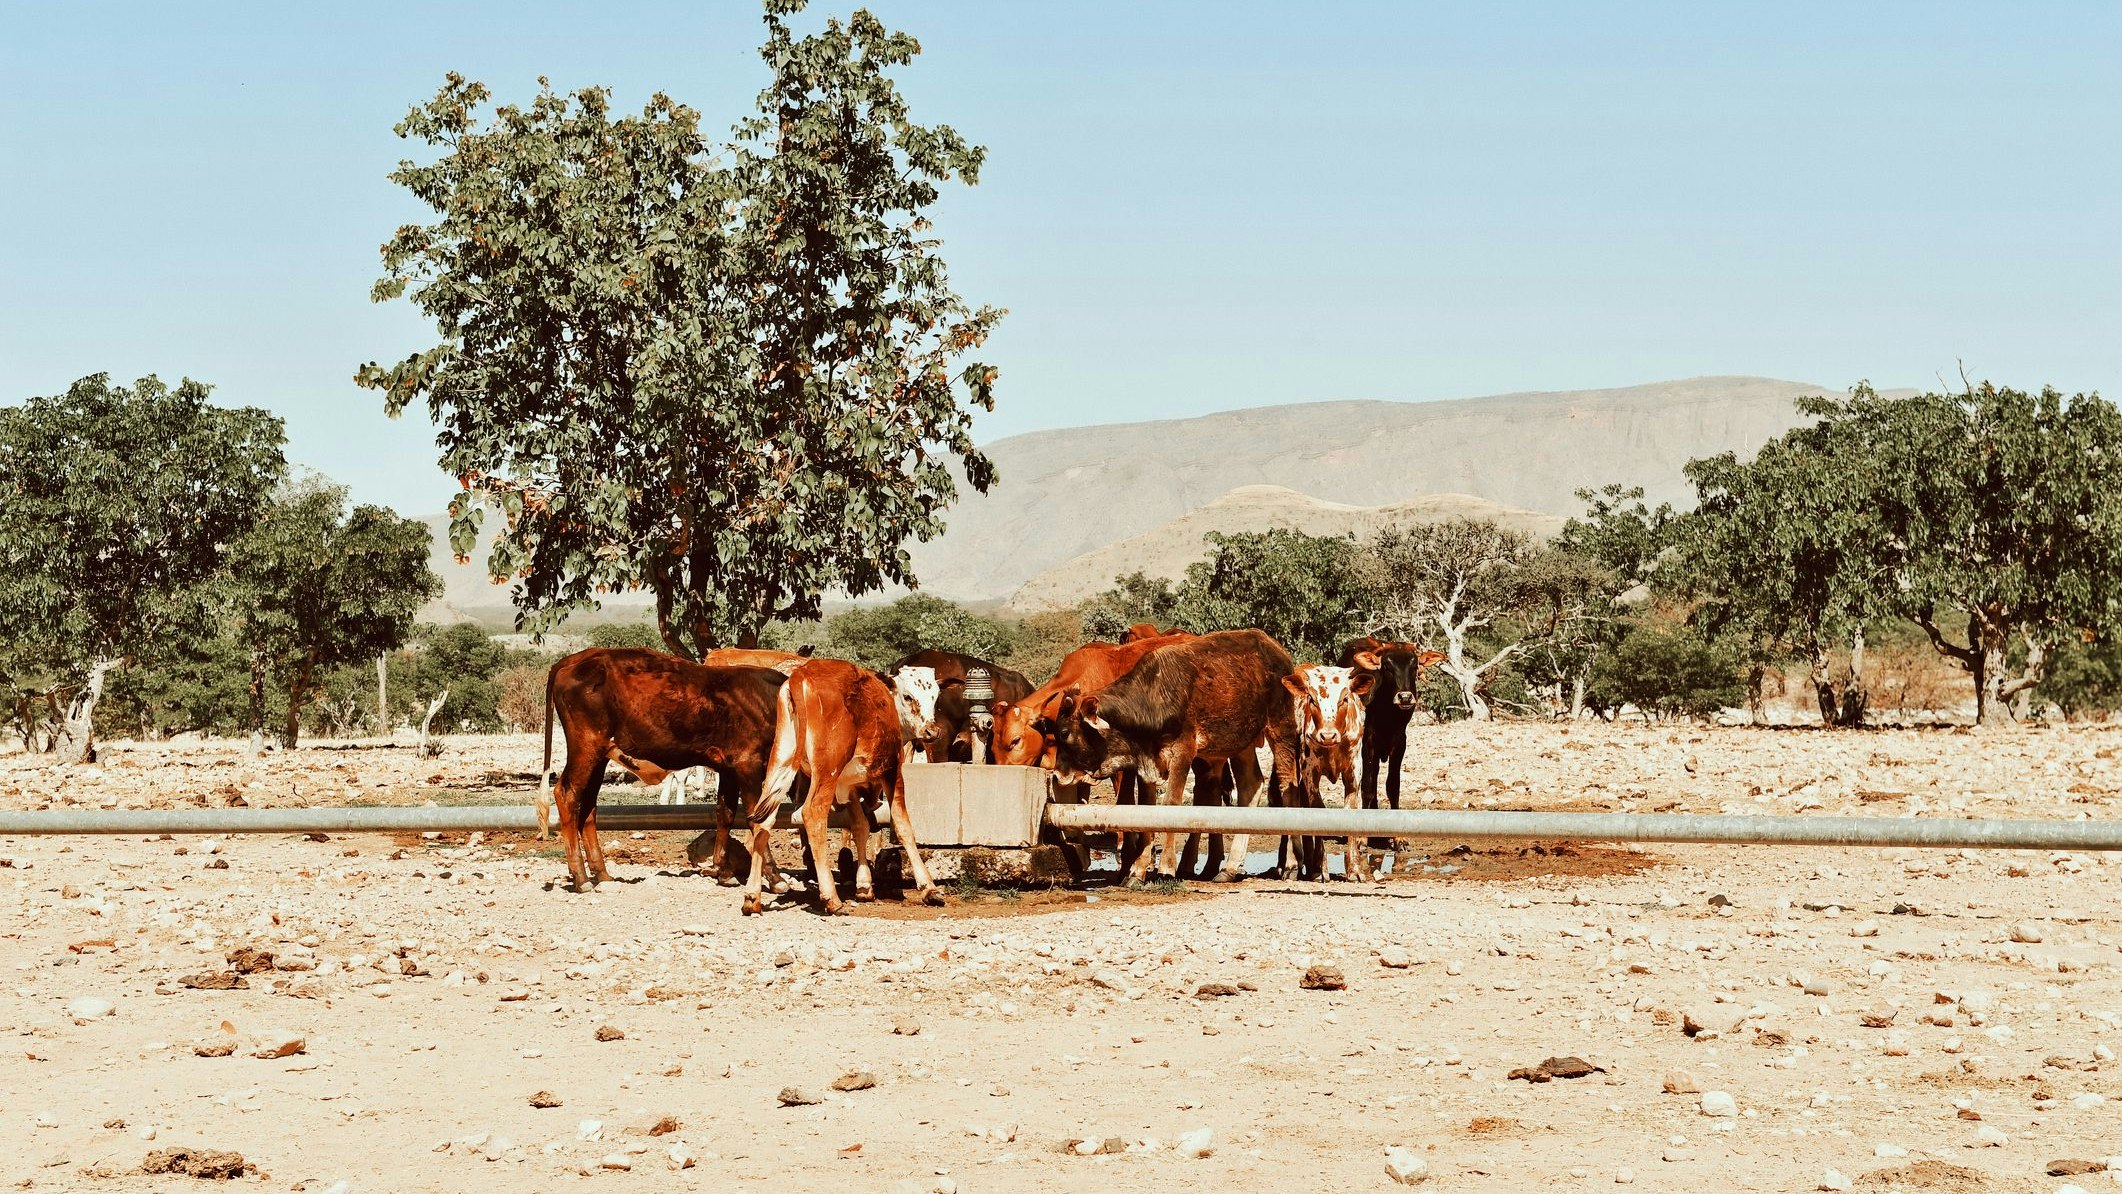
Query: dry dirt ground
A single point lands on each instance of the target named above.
(428, 995)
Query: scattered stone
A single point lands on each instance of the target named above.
(544, 1099)
(212, 980)
(1198, 1143)
(794, 1096)
(610, 1032)
(1624, 1176)
(662, 1127)
(1109, 1146)
(619, 1161)
(850, 1081)
(196, 1162)
(1719, 1104)
(1404, 1167)
(1392, 957)
(1680, 1082)
(268, 1045)
(1689, 1026)
(2074, 1167)
(218, 1048)
(1834, 1180)
(88, 1008)
(1214, 991)
(1988, 1136)
(682, 1157)
(1323, 978)
(2026, 933)
(906, 1026)
(246, 960)
(1556, 1067)
(1878, 1017)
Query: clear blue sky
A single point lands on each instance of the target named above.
(1187, 208)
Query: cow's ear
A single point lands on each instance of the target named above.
(1367, 661)
(945, 686)
(1429, 657)
(1294, 682)
(806, 649)
(1000, 708)
(1362, 682)
(1089, 708)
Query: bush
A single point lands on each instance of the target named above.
(1669, 672)
(878, 636)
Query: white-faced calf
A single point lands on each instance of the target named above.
(1329, 706)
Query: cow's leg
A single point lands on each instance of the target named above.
(858, 812)
(1245, 774)
(1128, 789)
(781, 776)
(1397, 756)
(903, 830)
(567, 800)
(1357, 864)
(1371, 746)
(817, 829)
(1177, 774)
(587, 865)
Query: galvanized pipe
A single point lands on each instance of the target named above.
(1610, 827)
(611, 818)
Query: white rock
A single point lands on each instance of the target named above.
(2026, 933)
(1865, 928)
(682, 1157)
(590, 1129)
(616, 1161)
(1987, 1136)
(1198, 1143)
(1719, 1104)
(1404, 1167)
(1834, 1180)
(1624, 1177)
(88, 1007)
(1392, 957)
(278, 1044)
(1889, 1150)
(2087, 1101)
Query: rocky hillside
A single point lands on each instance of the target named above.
(1168, 549)
(1068, 492)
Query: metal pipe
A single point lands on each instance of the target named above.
(1612, 827)
(611, 818)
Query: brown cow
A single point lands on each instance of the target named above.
(1022, 728)
(781, 661)
(837, 724)
(1213, 698)
(652, 714)
(1329, 708)
(954, 742)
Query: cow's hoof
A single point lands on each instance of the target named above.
(753, 905)
(931, 896)
(836, 908)
(1230, 875)
(864, 895)
(727, 881)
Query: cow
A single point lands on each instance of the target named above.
(1215, 698)
(914, 696)
(836, 725)
(956, 739)
(781, 661)
(652, 714)
(678, 785)
(1329, 712)
(1392, 703)
(1023, 726)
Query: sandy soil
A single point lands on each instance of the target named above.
(438, 987)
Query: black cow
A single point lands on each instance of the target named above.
(1391, 705)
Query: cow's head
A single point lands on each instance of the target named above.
(1019, 742)
(1398, 667)
(1079, 736)
(914, 689)
(1329, 702)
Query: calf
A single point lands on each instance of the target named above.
(836, 725)
(1024, 728)
(652, 714)
(679, 784)
(1391, 704)
(1215, 698)
(781, 661)
(1329, 712)
(957, 739)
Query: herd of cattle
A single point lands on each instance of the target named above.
(1155, 713)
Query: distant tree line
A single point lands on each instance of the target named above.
(1983, 528)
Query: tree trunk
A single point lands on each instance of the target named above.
(383, 696)
(1820, 671)
(297, 689)
(257, 703)
(1757, 695)
(433, 707)
(76, 739)
(1576, 698)
(1856, 696)
(1991, 707)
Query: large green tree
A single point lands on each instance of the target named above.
(1790, 553)
(2001, 512)
(727, 373)
(117, 505)
(316, 586)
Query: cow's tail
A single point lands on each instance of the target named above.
(545, 766)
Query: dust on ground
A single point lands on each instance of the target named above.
(437, 1014)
